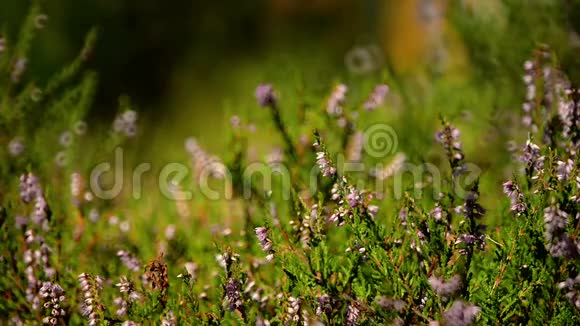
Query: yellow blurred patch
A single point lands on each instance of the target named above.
(417, 36)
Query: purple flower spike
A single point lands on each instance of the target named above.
(265, 95)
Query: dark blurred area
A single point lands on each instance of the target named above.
(143, 43)
(146, 47)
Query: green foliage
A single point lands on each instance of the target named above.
(276, 250)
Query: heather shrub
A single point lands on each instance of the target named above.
(345, 221)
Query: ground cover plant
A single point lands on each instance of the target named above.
(346, 221)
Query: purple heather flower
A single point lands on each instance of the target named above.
(565, 169)
(390, 304)
(473, 210)
(226, 260)
(568, 113)
(29, 188)
(437, 214)
(352, 315)
(262, 322)
(130, 261)
(122, 305)
(325, 305)
(373, 210)
(572, 292)
(563, 246)
(265, 242)
(265, 95)
(474, 240)
(558, 243)
(531, 156)
(555, 221)
(445, 289)
(126, 123)
(377, 97)
(233, 294)
(325, 164)
(31, 191)
(340, 215)
(293, 309)
(460, 314)
(355, 147)
(90, 287)
(169, 319)
(18, 69)
(53, 296)
(512, 191)
(353, 197)
(16, 146)
(203, 162)
(336, 100)
(125, 286)
(449, 138)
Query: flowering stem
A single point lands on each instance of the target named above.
(290, 149)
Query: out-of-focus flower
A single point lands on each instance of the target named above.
(559, 244)
(91, 286)
(130, 261)
(438, 214)
(265, 95)
(265, 242)
(61, 159)
(377, 97)
(445, 289)
(293, 309)
(355, 147)
(16, 146)
(325, 164)
(169, 319)
(461, 314)
(80, 128)
(18, 69)
(565, 169)
(572, 293)
(126, 123)
(40, 21)
(390, 304)
(336, 100)
(203, 163)
(325, 305)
